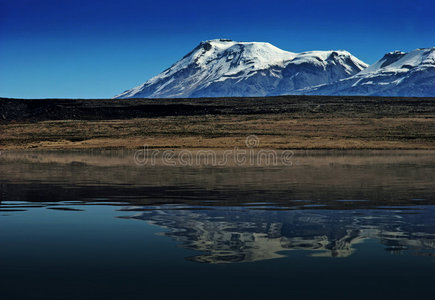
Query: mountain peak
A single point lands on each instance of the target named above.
(222, 67)
(396, 52)
(397, 73)
(218, 41)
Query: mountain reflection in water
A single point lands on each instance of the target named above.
(95, 225)
(245, 235)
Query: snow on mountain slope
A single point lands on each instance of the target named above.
(396, 74)
(218, 68)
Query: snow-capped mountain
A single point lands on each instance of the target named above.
(396, 74)
(219, 68)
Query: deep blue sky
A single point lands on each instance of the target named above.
(91, 49)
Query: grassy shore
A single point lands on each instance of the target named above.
(290, 122)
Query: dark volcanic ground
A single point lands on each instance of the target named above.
(104, 109)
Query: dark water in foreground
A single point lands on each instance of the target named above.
(333, 225)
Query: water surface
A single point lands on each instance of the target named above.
(95, 225)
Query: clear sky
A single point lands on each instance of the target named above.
(93, 49)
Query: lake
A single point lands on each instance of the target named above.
(327, 224)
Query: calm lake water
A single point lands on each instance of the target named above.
(96, 225)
